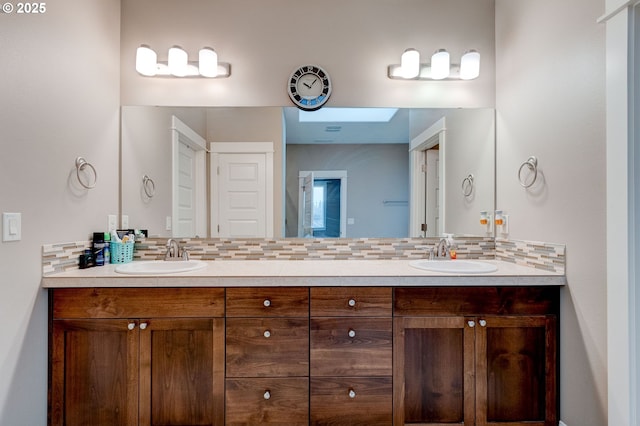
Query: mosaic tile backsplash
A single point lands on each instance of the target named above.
(64, 256)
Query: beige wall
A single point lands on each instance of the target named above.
(354, 41)
(550, 103)
(59, 85)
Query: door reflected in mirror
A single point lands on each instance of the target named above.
(398, 174)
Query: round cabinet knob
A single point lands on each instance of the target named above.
(483, 323)
(352, 333)
(267, 394)
(352, 393)
(131, 325)
(471, 323)
(266, 303)
(143, 325)
(267, 334)
(352, 302)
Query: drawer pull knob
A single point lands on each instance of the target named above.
(267, 394)
(352, 333)
(266, 303)
(131, 325)
(483, 323)
(143, 325)
(352, 393)
(267, 334)
(352, 302)
(471, 324)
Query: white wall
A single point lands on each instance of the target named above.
(59, 100)
(550, 101)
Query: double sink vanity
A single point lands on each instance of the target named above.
(333, 342)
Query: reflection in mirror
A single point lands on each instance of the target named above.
(370, 178)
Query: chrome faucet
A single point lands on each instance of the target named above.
(442, 249)
(174, 252)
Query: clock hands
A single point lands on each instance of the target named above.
(308, 86)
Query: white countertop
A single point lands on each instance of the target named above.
(306, 273)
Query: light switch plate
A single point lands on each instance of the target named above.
(125, 221)
(11, 226)
(112, 222)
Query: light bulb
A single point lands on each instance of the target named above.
(146, 61)
(440, 64)
(208, 62)
(410, 63)
(178, 61)
(470, 65)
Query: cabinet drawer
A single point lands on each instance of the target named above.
(260, 347)
(97, 303)
(351, 301)
(351, 346)
(268, 302)
(267, 401)
(351, 401)
(435, 301)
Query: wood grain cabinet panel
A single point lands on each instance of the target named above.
(267, 347)
(268, 302)
(351, 401)
(351, 346)
(476, 369)
(351, 301)
(267, 401)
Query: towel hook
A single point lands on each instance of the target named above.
(149, 186)
(81, 165)
(467, 185)
(532, 165)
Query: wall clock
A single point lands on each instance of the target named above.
(309, 87)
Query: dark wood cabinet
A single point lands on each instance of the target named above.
(154, 369)
(430, 356)
(351, 338)
(489, 362)
(267, 356)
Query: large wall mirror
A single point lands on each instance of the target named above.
(338, 172)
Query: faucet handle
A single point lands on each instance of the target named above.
(185, 254)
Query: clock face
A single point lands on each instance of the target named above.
(309, 87)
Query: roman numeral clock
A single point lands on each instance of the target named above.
(309, 87)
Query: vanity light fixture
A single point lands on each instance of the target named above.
(440, 67)
(178, 64)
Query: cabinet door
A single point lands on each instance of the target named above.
(516, 377)
(94, 372)
(182, 371)
(434, 371)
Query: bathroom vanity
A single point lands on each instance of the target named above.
(310, 342)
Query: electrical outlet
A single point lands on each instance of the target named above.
(167, 224)
(112, 222)
(11, 226)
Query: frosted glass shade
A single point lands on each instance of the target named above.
(208, 62)
(146, 61)
(470, 65)
(178, 61)
(440, 65)
(410, 63)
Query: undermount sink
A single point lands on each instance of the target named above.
(458, 266)
(152, 267)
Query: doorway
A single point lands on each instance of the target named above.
(322, 204)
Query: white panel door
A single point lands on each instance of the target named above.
(242, 195)
(186, 220)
